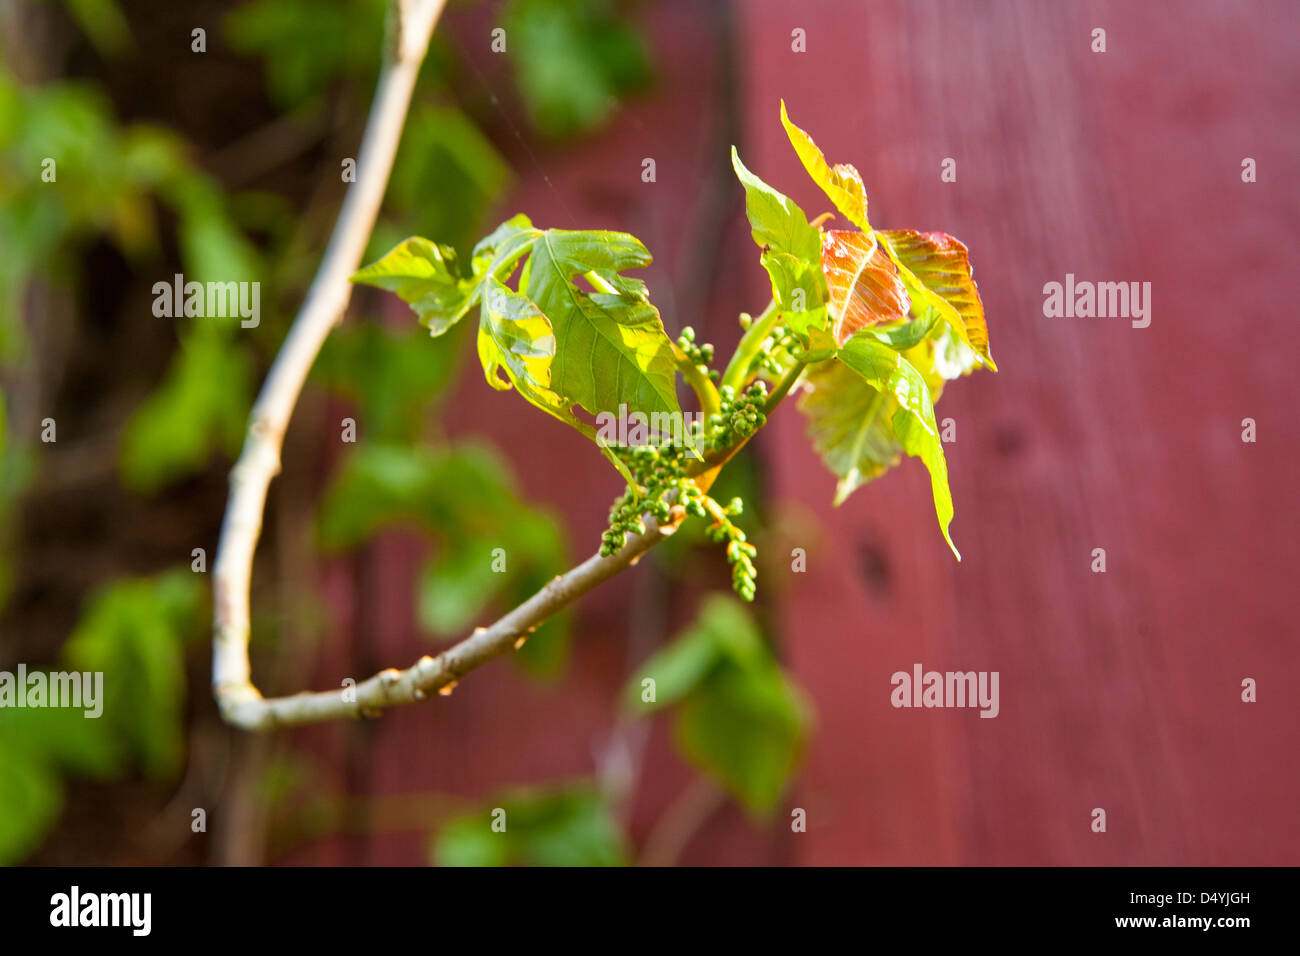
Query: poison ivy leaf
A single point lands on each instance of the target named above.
(850, 424)
(942, 264)
(566, 827)
(942, 356)
(841, 183)
(424, 275)
(906, 335)
(865, 288)
(914, 428)
(739, 718)
(514, 336)
(791, 251)
(611, 346)
(776, 220)
(499, 251)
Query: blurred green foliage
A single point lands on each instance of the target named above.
(555, 826)
(493, 548)
(305, 45)
(574, 61)
(739, 717)
(135, 633)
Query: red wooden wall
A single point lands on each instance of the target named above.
(1118, 690)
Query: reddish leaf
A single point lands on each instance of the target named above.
(942, 264)
(865, 288)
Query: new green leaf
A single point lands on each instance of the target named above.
(841, 183)
(859, 454)
(791, 251)
(424, 275)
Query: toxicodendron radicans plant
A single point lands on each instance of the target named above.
(869, 323)
(865, 325)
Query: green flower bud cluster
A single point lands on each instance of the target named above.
(740, 553)
(699, 355)
(773, 352)
(657, 472)
(739, 416)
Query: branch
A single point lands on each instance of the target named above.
(411, 25)
(391, 687)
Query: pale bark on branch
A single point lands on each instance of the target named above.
(240, 701)
(248, 709)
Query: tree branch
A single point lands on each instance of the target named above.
(391, 687)
(411, 25)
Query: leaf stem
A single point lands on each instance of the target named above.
(788, 381)
(739, 366)
(705, 390)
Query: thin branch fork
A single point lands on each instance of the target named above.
(247, 709)
(411, 24)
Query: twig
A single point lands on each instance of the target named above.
(411, 25)
(246, 708)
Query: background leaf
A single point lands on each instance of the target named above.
(464, 497)
(571, 826)
(574, 59)
(740, 719)
(200, 408)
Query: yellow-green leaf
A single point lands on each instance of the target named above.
(941, 265)
(423, 274)
(841, 183)
(848, 424)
